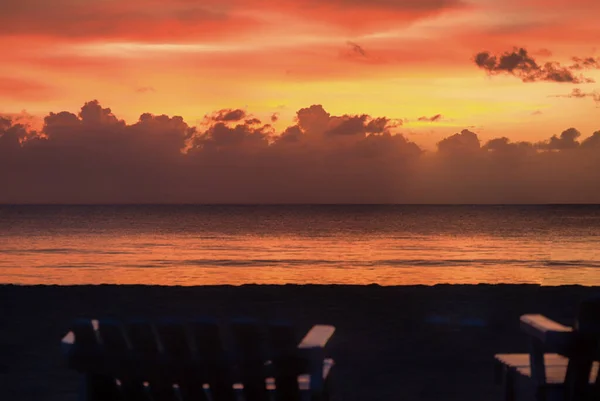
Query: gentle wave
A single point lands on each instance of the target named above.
(343, 263)
(573, 263)
(64, 251)
(370, 264)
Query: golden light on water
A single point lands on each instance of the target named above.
(254, 259)
(304, 275)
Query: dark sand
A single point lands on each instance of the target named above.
(384, 347)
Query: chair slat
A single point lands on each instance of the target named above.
(85, 354)
(85, 335)
(282, 338)
(207, 343)
(174, 338)
(114, 338)
(143, 338)
(250, 355)
(122, 372)
(285, 360)
(249, 341)
(129, 389)
(211, 377)
(103, 388)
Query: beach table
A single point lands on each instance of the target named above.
(562, 363)
(201, 359)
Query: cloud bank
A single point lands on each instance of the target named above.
(233, 157)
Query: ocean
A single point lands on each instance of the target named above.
(319, 244)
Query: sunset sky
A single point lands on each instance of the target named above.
(402, 59)
(526, 70)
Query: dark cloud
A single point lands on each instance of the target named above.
(221, 137)
(253, 121)
(434, 118)
(579, 94)
(313, 120)
(12, 135)
(291, 134)
(520, 64)
(381, 125)
(357, 49)
(566, 140)
(585, 63)
(592, 142)
(318, 124)
(92, 156)
(348, 125)
(229, 115)
(274, 117)
(465, 142)
(506, 147)
(357, 53)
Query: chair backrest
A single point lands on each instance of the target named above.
(588, 316)
(187, 360)
(584, 352)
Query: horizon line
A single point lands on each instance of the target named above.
(294, 204)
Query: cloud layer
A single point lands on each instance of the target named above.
(233, 157)
(185, 20)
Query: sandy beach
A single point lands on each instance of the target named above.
(391, 343)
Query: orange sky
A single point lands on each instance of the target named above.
(402, 59)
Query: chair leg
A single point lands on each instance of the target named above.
(540, 394)
(509, 386)
(577, 379)
(83, 389)
(538, 368)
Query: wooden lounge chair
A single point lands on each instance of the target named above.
(198, 360)
(562, 363)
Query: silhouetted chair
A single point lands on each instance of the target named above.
(562, 363)
(198, 360)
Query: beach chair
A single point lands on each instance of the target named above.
(562, 363)
(181, 360)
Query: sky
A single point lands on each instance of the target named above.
(155, 82)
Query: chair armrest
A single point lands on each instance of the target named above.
(67, 343)
(553, 335)
(327, 365)
(317, 337)
(312, 346)
(68, 339)
(311, 389)
(545, 336)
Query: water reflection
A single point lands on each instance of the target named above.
(189, 259)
